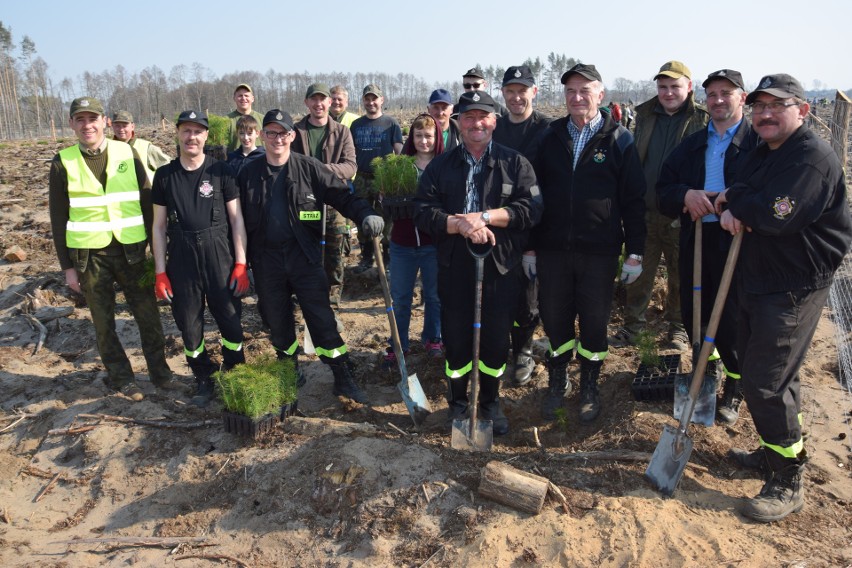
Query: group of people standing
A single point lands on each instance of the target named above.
(566, 208)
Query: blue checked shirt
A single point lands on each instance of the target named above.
(471, 201)
(582, 137)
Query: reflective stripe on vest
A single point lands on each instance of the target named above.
(141, 147)
(96, 214)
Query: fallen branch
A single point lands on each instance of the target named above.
(237, 561)
(36, 472)
(6, 518)
(21, 418)
(400, 430)
(140, 541)
(154, 423)
(48, 487)
(72, 430)
(42, 332)
(559, 495)
(614, 455)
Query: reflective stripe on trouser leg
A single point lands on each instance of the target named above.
(789, 451)
(290, 351)
(194, 353)
(458, 373)
(591, 355)
(332, 353)
(566, 347)
(490, 371)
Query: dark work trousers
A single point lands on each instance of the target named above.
(456, 290)
(527, 310)
(281, 272)
(97, 283)
(775, 331)
(199, 265)
(714, 251)
(573, 284)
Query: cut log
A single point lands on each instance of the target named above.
(512, 487)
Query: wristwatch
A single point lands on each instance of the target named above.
(637, 257)
(486, 218)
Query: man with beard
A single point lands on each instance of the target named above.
(703, 165)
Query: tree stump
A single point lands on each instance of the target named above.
(512, 487)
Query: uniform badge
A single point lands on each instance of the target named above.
(279, 116)
(783, 207)
(206, 189)
(192, 115)
(475, 98)
(517, 73)
(599, 156)
(765, 83)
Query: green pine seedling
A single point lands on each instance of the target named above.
(258, 388)
(649, 354)
(394, 175)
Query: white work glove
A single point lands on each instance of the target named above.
(373, 226)
(528, 263)
(629, 273)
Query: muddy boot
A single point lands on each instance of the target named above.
(300, 375)
(457, 401)
(590, 398)
(344, 380)
(558, 387)
(522, 352)
(203, 369)
(755, 459)
(489, 404)
(728, 409)
(783, 493)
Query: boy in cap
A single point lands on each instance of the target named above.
(196, 206)
(124, 129)
(283, 198)
(100, 214)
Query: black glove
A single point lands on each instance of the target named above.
(373, 226)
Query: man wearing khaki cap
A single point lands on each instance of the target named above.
(124, 129)
(661, 123)
(100, 214)
(244, 99)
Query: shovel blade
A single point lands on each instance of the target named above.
(415, 399)
(705, 407)
(309, 343)
(669, 460)
(478, 437)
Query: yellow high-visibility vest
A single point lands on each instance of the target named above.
(141, 147)
(96, 214)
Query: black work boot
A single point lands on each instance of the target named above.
(203, 368)
(558, 387)
(782, 494)
(457, 401)
(300, 375)
(344, 380)
(522, 352)
(366, 261)
(489, 404)
(755, 459)
(590, 398)
(232, 358)
(728, 409)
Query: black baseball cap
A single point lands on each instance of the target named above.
(474, 72)
(587, 71)
(519, 74)
(733, 76)
(779, 85)
(193, 116)
(476, 100)
(279, 117)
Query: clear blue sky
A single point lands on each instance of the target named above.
(439, 40)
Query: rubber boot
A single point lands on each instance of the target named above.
(300, 375)
(489, 404)
(558, 387)
(344, 380)
(590, 398)
(755, 459)
(782, 494)
(728, 409)
(522, 352)
(457, 401)
(203, 369)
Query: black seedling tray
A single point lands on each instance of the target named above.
(656, 383)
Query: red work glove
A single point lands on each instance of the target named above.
(239, 281)
(163, 287)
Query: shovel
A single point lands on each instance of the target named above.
(472, 434)
(672, 454)
(410, 389)
(705, 406)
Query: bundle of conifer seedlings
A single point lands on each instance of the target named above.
(395, 178)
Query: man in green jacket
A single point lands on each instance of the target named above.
(661, 123)
(124, 129)
(244, 99)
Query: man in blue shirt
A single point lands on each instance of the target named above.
(701, 167)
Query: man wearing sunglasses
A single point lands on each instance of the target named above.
(790, 198)
(283, 198)
(704, 164)
(474, 80)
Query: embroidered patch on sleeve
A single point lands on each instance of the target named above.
(782, 207)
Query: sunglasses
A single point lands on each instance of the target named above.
(471, 85)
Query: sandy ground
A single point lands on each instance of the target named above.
(310, 494)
